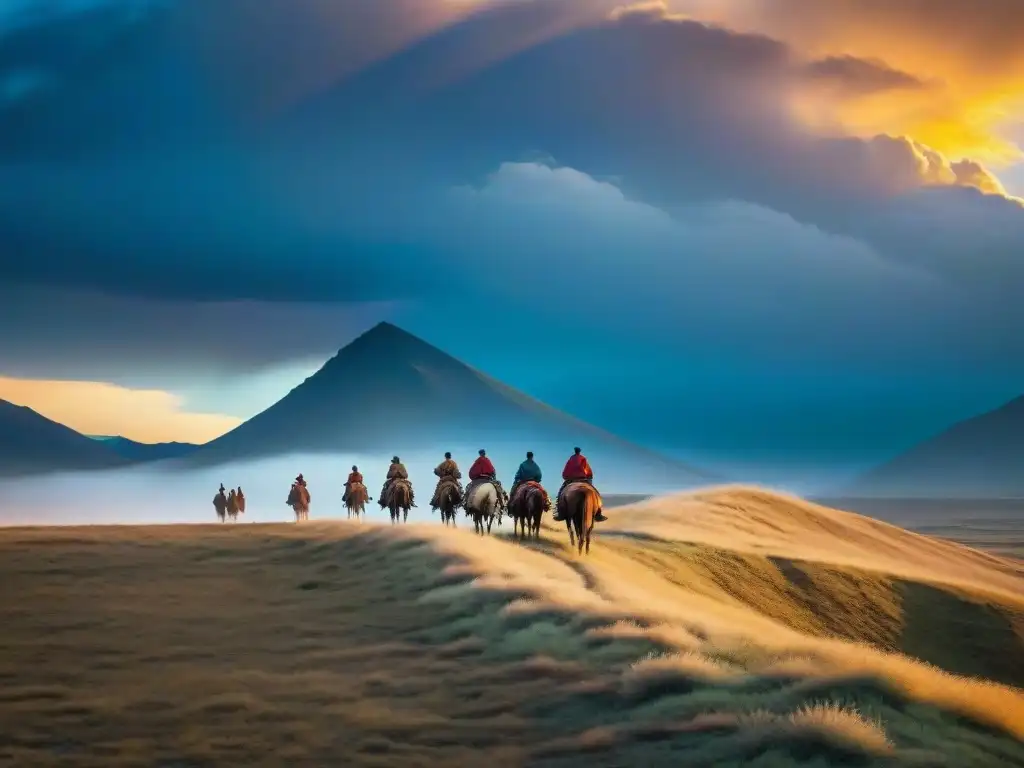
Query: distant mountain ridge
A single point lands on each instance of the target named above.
(981, 457)
(143, 452)
(391, 392)
(33, 444)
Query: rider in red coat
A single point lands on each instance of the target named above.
(482, 467)
(577, 469)
(483, 470)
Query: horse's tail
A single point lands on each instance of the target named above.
(591, 505)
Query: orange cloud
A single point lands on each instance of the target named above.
(969, 54)
(98, 408)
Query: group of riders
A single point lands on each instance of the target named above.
(229, 502)
(577, 470)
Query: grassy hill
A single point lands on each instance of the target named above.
(728, 627)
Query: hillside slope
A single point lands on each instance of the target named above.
(981, 457)
(390, 392)
(679, 641)
(33, 444)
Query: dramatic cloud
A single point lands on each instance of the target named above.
(970, 51)
(783, 188)
(94, 408)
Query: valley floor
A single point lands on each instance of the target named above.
(726, 628)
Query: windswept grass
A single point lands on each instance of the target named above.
(709, 632)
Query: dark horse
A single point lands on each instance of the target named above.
(581, 503)
(220, 504)
(400, 500)
(526, 509)
(448, 499)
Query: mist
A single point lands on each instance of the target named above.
(165, 492)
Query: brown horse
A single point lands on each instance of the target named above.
(220, 504)
(400, 500)
(240, 500)
(356, 499)
(449, 500)
(233, 506)
(526, 509)
(298, 500)
(581, 503)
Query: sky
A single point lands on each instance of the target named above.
(771, 235)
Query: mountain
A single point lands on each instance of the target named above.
(33, 444)
(142, 452)
(390, 392)
(981, 457)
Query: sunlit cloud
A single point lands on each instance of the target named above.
(98, 408)
(970, 55)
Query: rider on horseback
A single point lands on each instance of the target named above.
(577, 470)
(447, 471)
(355, 477)
(396, 471)
(483, 471)
(528, 472)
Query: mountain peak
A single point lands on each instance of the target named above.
(389, 390)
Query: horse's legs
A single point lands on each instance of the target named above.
(568, 527)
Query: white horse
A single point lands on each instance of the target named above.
(483, 504)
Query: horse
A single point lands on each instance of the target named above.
(400, 500)
(240, 500)
(482, 503)
(581, 502)
(233, 507)
(220, 504)
(355, 500)
(448, 500)
(298, 500)
(526, 509)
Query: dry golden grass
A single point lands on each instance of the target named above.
(730, 627)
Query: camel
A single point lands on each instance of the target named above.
(526, 509)
(581, 502)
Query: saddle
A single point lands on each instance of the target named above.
(521, 491)
(357, 492)
(502, 496)
(442, 485)
(396, 483)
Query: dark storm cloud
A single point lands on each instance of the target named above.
(859, 76)
(979, 32)
(348, 197)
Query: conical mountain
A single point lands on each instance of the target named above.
(33, 444)
(391, 392)
(980, 457)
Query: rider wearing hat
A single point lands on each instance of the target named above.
(396, 471)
